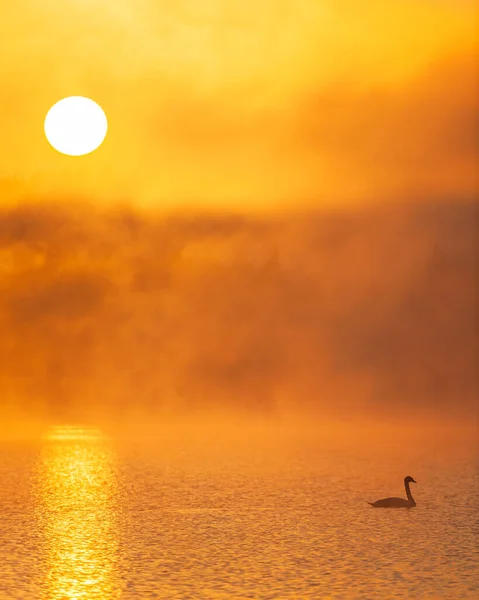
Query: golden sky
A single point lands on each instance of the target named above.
(241, 103)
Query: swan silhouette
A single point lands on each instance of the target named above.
(397, 502)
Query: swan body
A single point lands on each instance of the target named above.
(397, 502)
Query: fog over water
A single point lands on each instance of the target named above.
(110, 314)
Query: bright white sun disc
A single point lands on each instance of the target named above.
(75, 126)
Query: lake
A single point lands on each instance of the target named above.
(258, 513)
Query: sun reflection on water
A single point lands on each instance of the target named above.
(77, 502)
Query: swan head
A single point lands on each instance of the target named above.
(409, 479)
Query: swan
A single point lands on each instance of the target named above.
(398, 502)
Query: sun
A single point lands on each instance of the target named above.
(75, 126)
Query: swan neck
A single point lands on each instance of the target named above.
(409, 495)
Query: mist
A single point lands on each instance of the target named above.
(118, 315)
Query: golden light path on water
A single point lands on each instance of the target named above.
(77, 504)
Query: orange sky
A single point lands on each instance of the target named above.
(243, 104)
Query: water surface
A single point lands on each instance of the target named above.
(87, 516)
